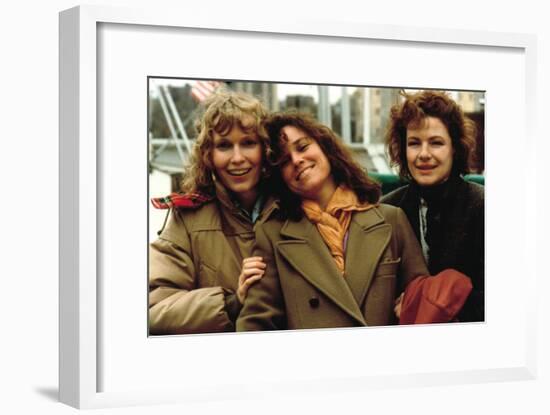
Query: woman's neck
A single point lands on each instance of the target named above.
(326, 193)
(438, 191)
(247, 199)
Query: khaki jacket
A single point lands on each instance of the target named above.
(194, 267)
(302, 288)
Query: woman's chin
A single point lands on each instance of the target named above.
(426, 180)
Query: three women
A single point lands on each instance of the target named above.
(432, 143)
(327, 254)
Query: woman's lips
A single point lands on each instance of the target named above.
(301, 172)
(425, 168)
(238, 172)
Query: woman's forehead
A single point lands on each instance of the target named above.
(225, 124)
(246, 121)
(426, 123)
(291, 134)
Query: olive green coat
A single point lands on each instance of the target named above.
(302, 288)
(194, 268)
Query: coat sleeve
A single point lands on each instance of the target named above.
(264, 307)
(412, 261)
(176, 306)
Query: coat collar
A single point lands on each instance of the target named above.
(307, 253)
(235, 220)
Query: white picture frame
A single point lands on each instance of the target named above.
(82, 218)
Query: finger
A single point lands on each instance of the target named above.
(247, 271)
(243, 289)
(252, 258)
(251, 276)
(252, 280)
(249, 282)
(261, 274)
(256, 264)
(398, 299)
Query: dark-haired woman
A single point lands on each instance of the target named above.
(432, 143)
(334, 257)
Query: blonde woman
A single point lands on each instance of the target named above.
(201, 266)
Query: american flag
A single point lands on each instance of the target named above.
(202, 89)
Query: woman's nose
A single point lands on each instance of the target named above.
(237, 155)
(296, 158)
(424, 152)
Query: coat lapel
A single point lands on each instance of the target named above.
(307, 253)
(368, 237)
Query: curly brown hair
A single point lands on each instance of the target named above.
(344, 169)
(413, 111)
(219, 113)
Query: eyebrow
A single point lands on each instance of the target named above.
(299, 140)
(434, 137)
(245, 137)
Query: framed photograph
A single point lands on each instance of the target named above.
(197, 247)
(108, 59)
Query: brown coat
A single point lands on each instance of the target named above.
(302, 288)
(194, 268)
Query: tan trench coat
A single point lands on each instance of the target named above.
(302, 288)
(194, 267)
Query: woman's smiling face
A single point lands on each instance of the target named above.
(306, 170)
(429, 152)
(237, 159)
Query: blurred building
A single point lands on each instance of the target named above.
(370, 108)
(304, 103)
(470, 102)
(267, 92)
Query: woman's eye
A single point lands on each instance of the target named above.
(223, 145)
(250, 143)
(302, 147)
(437, 143)
(413, 143)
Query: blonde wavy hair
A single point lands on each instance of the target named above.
(219, 113)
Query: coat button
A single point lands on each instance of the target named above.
(314, 302)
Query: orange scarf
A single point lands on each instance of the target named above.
(333, 223)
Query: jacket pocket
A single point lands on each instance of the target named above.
(388, 267)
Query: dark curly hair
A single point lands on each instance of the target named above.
(344, 169)
(412, 112)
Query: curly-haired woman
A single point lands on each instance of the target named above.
(334, 256)
(432, 143)
(201, 265)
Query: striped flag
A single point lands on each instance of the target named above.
(202, 89)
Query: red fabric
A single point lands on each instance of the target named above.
(436, 299)
(178, 200)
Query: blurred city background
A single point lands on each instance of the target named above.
(359, 115)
